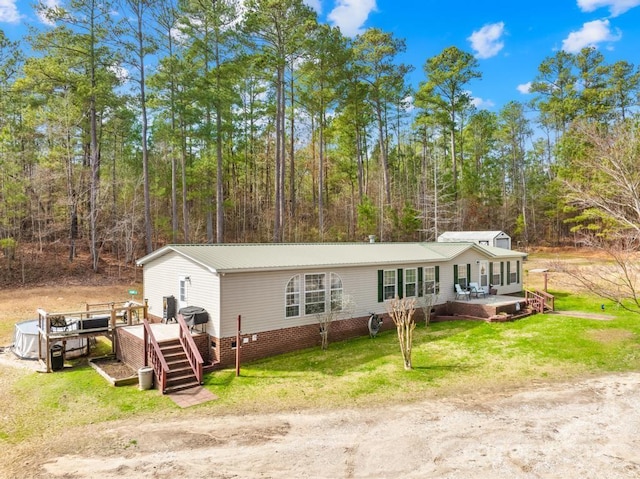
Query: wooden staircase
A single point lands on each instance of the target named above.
(180, 375)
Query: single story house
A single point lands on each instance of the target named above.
(281, 290)
(499, 239)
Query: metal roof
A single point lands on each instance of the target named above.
(471, 235)
(223, 258)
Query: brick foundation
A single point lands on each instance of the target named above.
(485, 311)
(271, 343)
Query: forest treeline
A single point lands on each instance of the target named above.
(226, 121)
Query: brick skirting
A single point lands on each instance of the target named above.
(270, 343)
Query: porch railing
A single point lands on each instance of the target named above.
(191, 350)
(540, 301)
(154, 353)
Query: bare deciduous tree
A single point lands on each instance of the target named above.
(617, 280)
(425, 303)
(344, 309)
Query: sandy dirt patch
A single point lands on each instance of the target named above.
(587, 429)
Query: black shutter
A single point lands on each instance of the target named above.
(380, 286)
(420, 282)
(455, 276)
(400, 292)
(468, 274)
(501, 273)
(508, 272)
(491, 274)
(437, 288)
(518, 272)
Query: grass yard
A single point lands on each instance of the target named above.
(450, 358)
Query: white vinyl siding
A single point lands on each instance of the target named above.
(162, 278)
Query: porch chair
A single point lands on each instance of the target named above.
(474, 288)
(461, 293)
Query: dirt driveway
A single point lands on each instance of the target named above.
(589, 429)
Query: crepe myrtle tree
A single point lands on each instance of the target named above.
(401, 312)
(341, 308)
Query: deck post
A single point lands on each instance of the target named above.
(238, 342)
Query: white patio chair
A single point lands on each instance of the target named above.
(474, 288)
(461, 293)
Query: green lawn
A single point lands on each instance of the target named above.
(448, 358)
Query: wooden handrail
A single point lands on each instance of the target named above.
(159, 364)
(190, 348)
(549, 299)
(539, 300)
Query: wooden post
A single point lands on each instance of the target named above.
(545, 282)
(145, 351)
(238, 344)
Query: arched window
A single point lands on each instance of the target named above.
(292, 297)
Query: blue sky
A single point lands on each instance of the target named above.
(510, 38)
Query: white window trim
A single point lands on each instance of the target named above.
(513, 278)
(340, 305)
(385, 284)
(297, 293)
(462, 274)
(414, 283)
(323, 290)
(496, 272)
(431, 281)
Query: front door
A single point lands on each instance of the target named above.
(483, 275)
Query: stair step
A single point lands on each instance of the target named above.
(171, 350)
(178, 363)
(181, 387)
(179, 381)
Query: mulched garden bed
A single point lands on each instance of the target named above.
(114, 371)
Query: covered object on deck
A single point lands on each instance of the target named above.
(25, 341)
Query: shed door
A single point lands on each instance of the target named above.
(183, 282)
(502, 243)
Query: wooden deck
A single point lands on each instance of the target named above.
(491, 308)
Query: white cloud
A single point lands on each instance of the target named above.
(616, 7)
(315, 4)
(121, 73)
(479, 102)
(350, 15)
(9, 12)
(591, 34)
(487, 41)
(47, 4)
(482, 103)
(524, 88)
